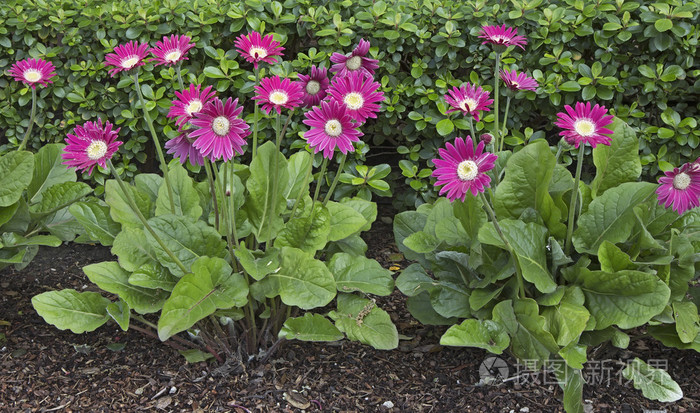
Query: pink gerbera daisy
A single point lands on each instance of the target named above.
(585, 124)
(502, 36)
(680, 188)
(462, 169)
(92, 144)
(171, 50)
(256, 48)
(355, 61)
(331, 127)
(359, 95)
(314, 86)
(126, 57)
(189, 102)
(33, 71)
(518, 81)
(218, 131)
(469, 99)
(182, 148)
(275, 93)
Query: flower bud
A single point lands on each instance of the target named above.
(487, 138)
(228, 192)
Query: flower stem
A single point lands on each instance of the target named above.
(505, 120)
(473, 131)
(179, 76)
(137, 211)
(232, 206)
(336, 179)
(156, 143)
(518, 271)
(574, 199)
(212, 190)
(31, 122)
(255, 119)
(496, 96)
(320, 180)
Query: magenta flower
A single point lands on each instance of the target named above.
(92, 144)
(189, 102)
(359, 95)
(218, 131)
(680, 188)
(182, 148)
(171, 50)
(314, 86)
(126, 57)
(585, 124)
(469, 99)
(33, 71)
(331, 127)
(355, 61)
(462, 169)
(275, 93)
(518, 81)
(502, 36)
(256, 48)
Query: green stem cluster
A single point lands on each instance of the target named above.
(496, 95)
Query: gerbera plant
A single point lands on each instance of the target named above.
(32, 72)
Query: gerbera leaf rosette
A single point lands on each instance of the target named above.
(314, 86)
(680, 188)
(502, 36)
(468, 99)
(218, 131)
(518, 81)
(585, 124)
(171, 50)
(331, 127)
(126, 57)
(255, 48)
(356, 61)
(275, 94)
(32, 72)
(90, 144)
(358, 94)
(461, 169)
(189, 102)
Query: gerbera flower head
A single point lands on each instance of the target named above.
(275, 93)
(680, 188)
(585, 124)
(331, 127)
(189, 102)
(126, 57)
(469, 99)
(502, 36)
(217, 131)
(358, 93)
(255, 48)
(33, 71)
(518, 81)
(91, 144)
(182, 148)
(171, 50)
(357, 61)
(314, 86)
(461, 169)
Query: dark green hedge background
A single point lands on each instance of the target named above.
(638, 58)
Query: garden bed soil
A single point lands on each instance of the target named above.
(109, 370)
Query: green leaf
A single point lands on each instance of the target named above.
(214, 72)
(421, 242)
(94, 217)
(69, 309)
(212, 285)
(15, 175)
(361, 320)
(574, 355)
(405, 224)
(414, 280)
(655, 384)
(310, 327)
(121, 313)
(344, 220)
(187, 240)
(120, 211)
(154, 276)
(471, 214)
(110, 277)
(265, 217)
(366, 208)
(6, 213)
(358, 273)
(570, 86)
(486, 334)
(612, 258)
(48, 171)
(566, 321)
(686, 315)
(132, 248)
(610, 217)
(663, 25)
(303, 281)
(195, 356)
(60, 196)
(445, 127)
(298, 165)
(573, 388)
(668, 335)
(618, 162)
(257, 263)
(186, 199)
(309, 233)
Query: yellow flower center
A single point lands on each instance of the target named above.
(353, 63)
(468, 104)
(96, 150)
(221, 125)
(515, 84)
(32, 75)
(258, 52)
(354, 101)
(173, 56)
(129, 62)
(279, 97)
(193, 107)
(313, 87)
(467, 170)
(333, 128)
(681, 181)
(584, 127)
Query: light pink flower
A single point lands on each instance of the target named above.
(585, 124)
(331, 127)
(461, 169)
(358, 94)
(189, 102)
(502, 36)
(171, 50)
(680, 188)
(182, 148)
(275, 93)
(255, 48)
(469, 99)
(518, 81)
(217, 131)
(314, 86)
(126, 57)
(33, 71)
(91, 144)
(357, 61)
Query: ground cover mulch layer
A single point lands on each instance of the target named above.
(43, 369)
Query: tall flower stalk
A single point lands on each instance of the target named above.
(31, 122)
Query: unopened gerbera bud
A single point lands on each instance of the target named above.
(486, 138)
(228, 192)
